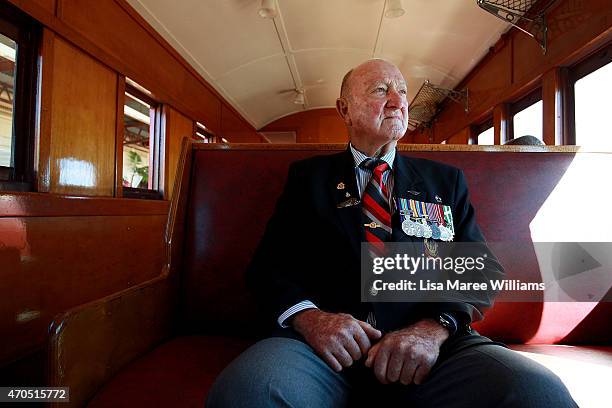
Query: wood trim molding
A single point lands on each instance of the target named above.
(120, 128)
(553, 86)
(502, 123)
(45, 84)
(52, 205)
(400, 147)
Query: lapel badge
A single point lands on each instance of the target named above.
(347, 194)
(340, 186)
(415, 193)
(438, 199)
(348, 203)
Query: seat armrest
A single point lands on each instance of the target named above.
(90, 343)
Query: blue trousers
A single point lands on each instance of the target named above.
(285, 372)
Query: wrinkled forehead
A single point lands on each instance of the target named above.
(377, 73)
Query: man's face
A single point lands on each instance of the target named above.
(377, 105)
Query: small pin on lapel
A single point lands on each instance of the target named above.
(340, 186)
(438, 199)
(347, 194)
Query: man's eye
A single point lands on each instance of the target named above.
(380, 89)
(403, 91)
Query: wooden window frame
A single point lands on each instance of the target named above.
(591, 63)
(156, 150)
(27, 33)
(210, 136)
(481, 127)
(521, 104)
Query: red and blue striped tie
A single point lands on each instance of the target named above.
(375, 204)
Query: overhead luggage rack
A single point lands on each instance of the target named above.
(426, 104)
(520, 11)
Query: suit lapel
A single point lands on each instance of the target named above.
(343, 182)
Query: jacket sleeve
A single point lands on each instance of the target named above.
(273, 274)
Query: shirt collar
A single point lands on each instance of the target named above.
(360, 157)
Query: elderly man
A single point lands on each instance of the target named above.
(330, 349)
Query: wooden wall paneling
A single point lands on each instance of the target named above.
(68, 261)
(516, 63)
(235, 129)
(45, 111)
(553, 84)
(461, 137)
(16, 204)
(312, 126)
(501, 123)
(47, 5)
(142, 56)
(178, 127)
(83, 124)
(571, 25)
(120, 129)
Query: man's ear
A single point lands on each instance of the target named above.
(342, 108)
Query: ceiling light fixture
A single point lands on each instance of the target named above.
(299, 97)
(267, 9)
(394, 9)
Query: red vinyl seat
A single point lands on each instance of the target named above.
(164, 342)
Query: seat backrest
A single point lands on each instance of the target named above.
(516, 194)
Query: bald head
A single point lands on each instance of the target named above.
(373, 105)
(374, 64)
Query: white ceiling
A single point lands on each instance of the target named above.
(310, 45)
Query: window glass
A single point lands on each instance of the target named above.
(136, 142)
(592, 108)
(528, 121)
(202, 133)
(8, 57)
(486, 137)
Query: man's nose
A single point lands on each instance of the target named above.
(395, 100)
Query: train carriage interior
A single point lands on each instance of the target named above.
(144, 145)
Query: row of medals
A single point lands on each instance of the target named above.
(421, 229)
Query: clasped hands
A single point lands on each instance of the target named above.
(405, 355)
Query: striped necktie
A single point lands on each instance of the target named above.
(375, 204)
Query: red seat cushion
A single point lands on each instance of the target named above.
(178, 373)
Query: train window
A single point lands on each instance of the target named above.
(203, 134)
(8, 56)
(527, 116)
(484, 133)
(592, 81)
(142, 144)
(19, 36)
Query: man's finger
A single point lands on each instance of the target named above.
(380, 365)
(394, 367)
(372, 355)
(331, 361)
(362, 340)
(421, 373)
(343, 357)
(353, 349)
(372, 333)
(407, 375)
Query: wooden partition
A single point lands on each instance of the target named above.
(57, 252)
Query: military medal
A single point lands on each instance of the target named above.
(431, 248)
(426, 220)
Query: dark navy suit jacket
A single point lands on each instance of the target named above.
(311, 248)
